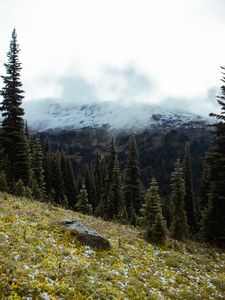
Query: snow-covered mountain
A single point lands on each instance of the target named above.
(46, 115)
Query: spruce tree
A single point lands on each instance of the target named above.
(47, 166)
(107, 171)
(98, 179)
(204, 187)
(22, 163)
(159, 229)
(110, 162)
(69, 181)
(13, 138)
(19, 189)
(83, 205)
(131, 181)
(189, 198)
(57, 179)
(100, 210)
(204, 191)
(46, 146)
(28, 192)
(36, 191)
(115, 194)
(150, 209)
(179, 229)
(3, 182)
(213, 228)
(90, 186)
(122, 215)
(37, 162)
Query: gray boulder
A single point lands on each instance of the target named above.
(86, 235)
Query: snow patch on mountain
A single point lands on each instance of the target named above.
(44, 115)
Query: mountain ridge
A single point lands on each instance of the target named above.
(111, 115)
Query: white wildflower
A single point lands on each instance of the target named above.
(45, 296)
(115, 272)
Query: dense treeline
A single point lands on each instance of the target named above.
(32, 169)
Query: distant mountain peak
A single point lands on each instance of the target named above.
(47, 114)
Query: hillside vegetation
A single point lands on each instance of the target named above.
(40, 261)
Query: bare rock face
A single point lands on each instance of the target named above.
(85, 234)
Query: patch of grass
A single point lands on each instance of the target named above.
(38, 260)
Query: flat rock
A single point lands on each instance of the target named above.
(85, 234)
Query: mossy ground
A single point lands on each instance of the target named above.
(40, 261)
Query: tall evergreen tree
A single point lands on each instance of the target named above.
(154, 229)
(101, 208)
(204, 186)
(189, 198)
(114, 199)
(13, 138)
(98, 179)
(214, 217)
(131, 181)
(159, 229)
(110, 162)
(57, 180)
(3, 182)
(83, 204)
(179, 228)
(37, 163)
(19, 189)
(47, 165)
(90, 186)
(69, 181)
(36, 191)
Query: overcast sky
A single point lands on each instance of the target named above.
(160, 51)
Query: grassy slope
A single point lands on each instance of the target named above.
(39, 261)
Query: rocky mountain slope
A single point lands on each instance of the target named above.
(47, 114)
(38, 260)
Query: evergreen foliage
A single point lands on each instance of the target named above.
(179, 229)
(3, 182)
(83, 205)
(189, 198)
(98, 175)
(37, 162)
(110, 162)
(13, 138)
(90, 186)
(131, 182)
(204, 187)
(28, 192)
(36, 191)
(57, 179)
(159, 229)
(47, 167)
(19, 189)
(150, 209)
(115, 194)
(22, 161)
(69, 181)
(213, 227)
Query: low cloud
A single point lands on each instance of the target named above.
(202, 105)
(126, 84)
(76, 89)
